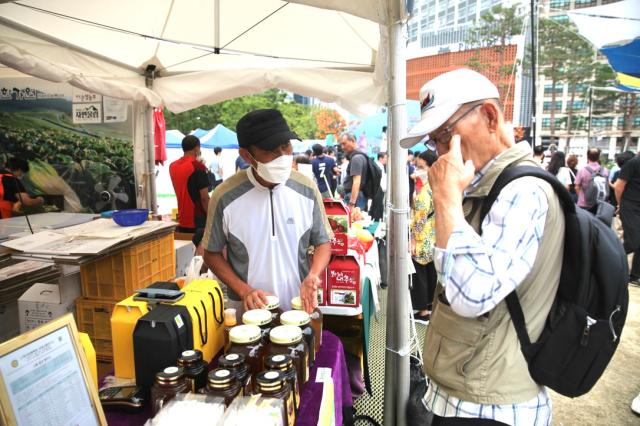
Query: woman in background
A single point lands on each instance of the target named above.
(423, 238)
(557, 168)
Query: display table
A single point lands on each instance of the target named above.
(331, 355)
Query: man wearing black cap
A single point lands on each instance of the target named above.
(191, 184)
(267, 217)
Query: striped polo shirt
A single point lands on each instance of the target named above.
(267, 232)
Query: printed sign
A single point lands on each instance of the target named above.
(82, 96)
(87, 113)
(115, 110)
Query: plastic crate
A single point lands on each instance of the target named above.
(94, 318)
(115, 277)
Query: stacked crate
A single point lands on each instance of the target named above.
(111, 279)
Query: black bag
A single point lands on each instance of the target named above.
(583, 328)
(373, 177)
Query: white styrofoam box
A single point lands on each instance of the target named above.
(184, 253)
(44, 302)
(9, 320)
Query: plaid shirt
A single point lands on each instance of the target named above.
(478, 272)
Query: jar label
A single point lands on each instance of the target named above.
(232, 357)
(271, 375)
(171, 370)
(278, 358)
(222, 373)
(188, 353)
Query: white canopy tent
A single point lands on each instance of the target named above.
(204, 51)
(207, 51)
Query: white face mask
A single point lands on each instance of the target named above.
(276, 171)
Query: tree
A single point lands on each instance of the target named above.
(301, 118)
(495, 29)
(329, 122)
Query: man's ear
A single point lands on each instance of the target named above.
(247, 157)
(492, 116)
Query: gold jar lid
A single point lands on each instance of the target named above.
(273, 302)
(285, 334)
(221, 377)
(296, 303)
(297, 318)
(169, 375)
(243, 334)
(272, 380)
(257, 317)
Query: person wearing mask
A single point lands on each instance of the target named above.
(323, 168)
(585, 176)
(215, 168)
(356, 173)
(267, 217)
(423, 240)
(191, 185)
(472, 356)
(557, 168)
(14, 195)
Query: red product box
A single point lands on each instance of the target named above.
(339, 243)
(343, 282)
(338, 216)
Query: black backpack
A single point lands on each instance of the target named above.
(583, 328)
(373, 177)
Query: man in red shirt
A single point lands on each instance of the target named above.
(190, 182)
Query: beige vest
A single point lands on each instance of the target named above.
(479, 359)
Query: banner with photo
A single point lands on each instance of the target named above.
(74, 151)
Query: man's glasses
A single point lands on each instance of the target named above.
(445, 136)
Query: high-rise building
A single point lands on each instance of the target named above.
(607, 123)
(438, 35)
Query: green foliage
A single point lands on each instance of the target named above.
(496, 27)
(301, 118)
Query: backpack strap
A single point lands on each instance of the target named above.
(507, 176)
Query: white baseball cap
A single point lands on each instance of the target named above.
(441, 97)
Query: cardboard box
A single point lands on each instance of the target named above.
(44, 302)
(184, 253)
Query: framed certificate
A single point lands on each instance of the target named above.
(45, 378)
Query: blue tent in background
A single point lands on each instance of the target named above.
(220, 137)
(173, 139)
(199, 133)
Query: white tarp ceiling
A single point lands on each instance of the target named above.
(205, 51)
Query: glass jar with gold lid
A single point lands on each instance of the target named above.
(247, 340)
(288, 340)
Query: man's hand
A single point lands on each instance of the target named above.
(254, 299)
(448, 177)
(309, 293)
(17, 206)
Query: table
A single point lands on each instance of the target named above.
(331, 355)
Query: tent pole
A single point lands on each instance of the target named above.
(152, 203)
(397, 351)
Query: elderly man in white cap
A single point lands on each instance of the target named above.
(471, 353)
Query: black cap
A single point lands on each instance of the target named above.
(265, 128)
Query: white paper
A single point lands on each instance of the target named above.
(323, 374)
(115, 110)
(87, 113)
(87, 238)
(45, 383)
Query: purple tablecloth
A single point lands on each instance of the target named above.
(331, 355)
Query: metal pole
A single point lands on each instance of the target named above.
(533, 72)
(397, 351)
(590, 112)
(149, 174)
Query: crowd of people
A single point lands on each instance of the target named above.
(268, 214)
